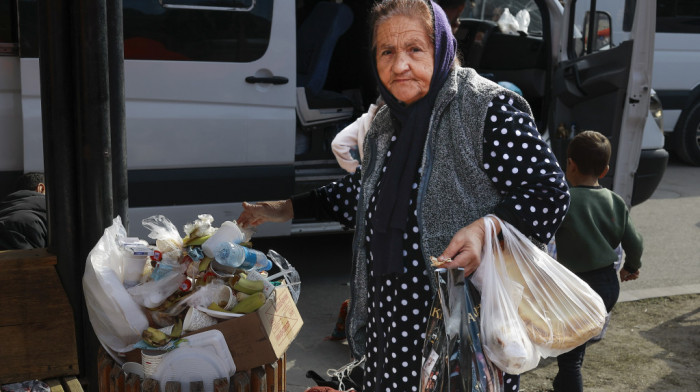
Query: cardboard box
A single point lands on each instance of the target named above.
(262, 337)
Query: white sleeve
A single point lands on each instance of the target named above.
(350, 137)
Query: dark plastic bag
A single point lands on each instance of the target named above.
(452, 355)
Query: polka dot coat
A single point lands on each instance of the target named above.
(525, 172)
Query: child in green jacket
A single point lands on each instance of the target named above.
(597, 221)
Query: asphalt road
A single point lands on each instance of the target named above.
(669, 222)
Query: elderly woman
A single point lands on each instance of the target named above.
(448, 148)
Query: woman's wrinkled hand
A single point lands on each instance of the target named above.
(465, 247)
(266, 211)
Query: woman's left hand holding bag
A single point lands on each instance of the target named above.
(465, 247)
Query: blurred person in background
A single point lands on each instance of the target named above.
(23, 218)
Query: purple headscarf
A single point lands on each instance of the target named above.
(411, 125)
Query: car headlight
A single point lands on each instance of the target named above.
(656, 109)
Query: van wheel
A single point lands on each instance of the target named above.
(686, 137)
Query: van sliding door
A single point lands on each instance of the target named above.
(210, 105)
(210, 88)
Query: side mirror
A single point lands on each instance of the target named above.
(600, 30)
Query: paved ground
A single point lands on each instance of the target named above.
(669, 222)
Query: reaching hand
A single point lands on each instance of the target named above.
(266, 211)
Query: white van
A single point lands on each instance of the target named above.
(234, 100)
(676, 76)
(676, 70)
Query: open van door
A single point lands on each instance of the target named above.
(602, 87)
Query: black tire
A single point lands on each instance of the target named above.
(686, 136)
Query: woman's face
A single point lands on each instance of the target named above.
(404, 58)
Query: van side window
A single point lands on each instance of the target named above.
(493, 10)
(152, 32)
(8, 28)
(678, 16)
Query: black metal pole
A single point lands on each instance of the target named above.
(94, 144)
(59, 123)
(117, 112)
(81, 66)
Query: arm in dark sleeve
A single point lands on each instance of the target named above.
(311, 205)
(523, 168)
(336, 201)
(23, 235)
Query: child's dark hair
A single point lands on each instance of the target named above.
(29, 181)
(590, 150)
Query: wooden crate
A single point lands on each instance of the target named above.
(268, 378)
(64, 384)
(37, 330)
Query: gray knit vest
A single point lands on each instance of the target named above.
(454, 190)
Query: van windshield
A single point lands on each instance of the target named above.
(494, 10)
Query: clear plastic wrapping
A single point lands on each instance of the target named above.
(532, 306)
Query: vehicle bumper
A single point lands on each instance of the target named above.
(651, 168)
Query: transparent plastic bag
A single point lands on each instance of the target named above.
(115, 317)
(155, 292)
(290, 274)
(531, 304)
(168, 240)
(503, 334)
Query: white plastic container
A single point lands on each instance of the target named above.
(228, 232)
(133, 268)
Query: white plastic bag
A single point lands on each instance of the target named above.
(117, 320)
(199, 228)
(523, 19)
(509, 24)
(530, 303)
(503, 334)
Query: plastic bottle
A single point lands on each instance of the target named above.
(238, 256)
(228, 232)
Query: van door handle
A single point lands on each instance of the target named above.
(573, 71)
(267, 79)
